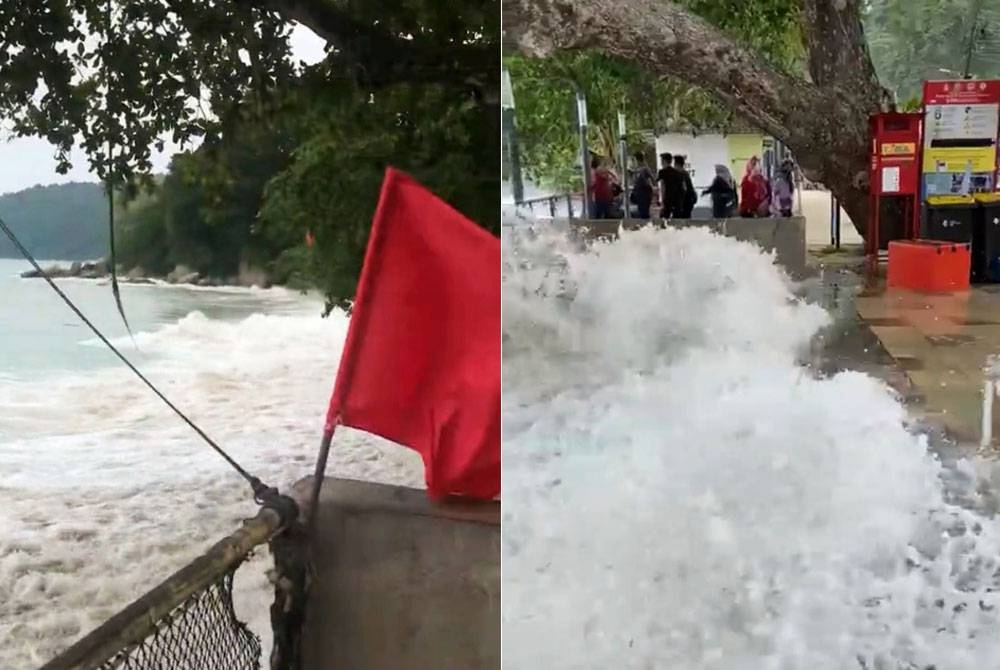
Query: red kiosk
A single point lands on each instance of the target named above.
(924, 169)
(894, 179)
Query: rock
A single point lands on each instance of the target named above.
(140, 280)
(251, 276)
(177, 273)
(189, 278)
(30, 274)
(136, 273)
(75, 269)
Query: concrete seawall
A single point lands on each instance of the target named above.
(785, 236)
(401, 582)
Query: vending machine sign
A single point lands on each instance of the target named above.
(961, 123)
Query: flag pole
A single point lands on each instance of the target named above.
(320, 472)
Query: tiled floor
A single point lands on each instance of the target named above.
(942, 341)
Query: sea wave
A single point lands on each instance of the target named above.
(105, 491)
(681, 493)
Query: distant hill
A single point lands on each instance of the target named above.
(57, 222)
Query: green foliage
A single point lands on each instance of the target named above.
(60, 221)
(202, 213)
(152, 70)
(141, 235)
(313, 164)
(771, 27)
(407, 82)
(331, 187)
(544, 91)
(120, 75)
(914, 40)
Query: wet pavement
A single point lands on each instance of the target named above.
(942, 342)
(942, 405)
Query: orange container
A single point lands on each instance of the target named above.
(929, 266)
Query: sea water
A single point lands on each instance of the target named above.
(103, 491)
(680, 491)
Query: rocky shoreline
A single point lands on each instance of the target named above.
(179, 275)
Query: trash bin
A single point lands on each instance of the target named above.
(986, 239)
(948, 218)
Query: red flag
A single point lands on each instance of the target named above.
(421, 364)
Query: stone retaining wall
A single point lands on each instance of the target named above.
(401, 582)
(785, 236)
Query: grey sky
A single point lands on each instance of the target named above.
(27, 161)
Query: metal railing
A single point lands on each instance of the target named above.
(553, 206)
(187, 622)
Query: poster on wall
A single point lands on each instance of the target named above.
(741, 149)
(961, 124)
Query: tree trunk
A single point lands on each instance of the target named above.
(823, 121)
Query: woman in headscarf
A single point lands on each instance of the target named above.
(723, 192)
(784, 189)
(755, 193)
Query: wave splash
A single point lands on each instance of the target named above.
(105, 492)
(681, 492)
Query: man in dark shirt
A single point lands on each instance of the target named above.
(690, 198)
(671, 188)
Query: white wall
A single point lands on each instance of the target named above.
(703, 152)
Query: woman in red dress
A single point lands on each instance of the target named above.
(755, 193)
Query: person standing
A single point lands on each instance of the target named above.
(690, 198)
(601, 189)
(755, 196)
(723, 192)
(784, 189)
(671, 188)
(642, 186)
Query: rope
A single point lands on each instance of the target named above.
(262, 493)
(109, 187)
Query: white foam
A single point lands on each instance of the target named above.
(105, 493)
(679, 493)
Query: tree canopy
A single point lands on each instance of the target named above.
(287, 148)
(544, 90)
(118, 75)
(915, 40)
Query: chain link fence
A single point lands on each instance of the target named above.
(187, 622)
(202, 632)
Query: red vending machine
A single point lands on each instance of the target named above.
(894, 172)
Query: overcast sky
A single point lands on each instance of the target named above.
(27, 161)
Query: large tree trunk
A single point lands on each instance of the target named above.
(823, 121)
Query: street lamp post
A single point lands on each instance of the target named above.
(623, 150)
(581, 116)
(509, 130)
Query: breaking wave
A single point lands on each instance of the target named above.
(680, 491)
(105, 493)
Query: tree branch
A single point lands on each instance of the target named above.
(382, 57)
(668, 40)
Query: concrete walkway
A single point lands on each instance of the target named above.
(815, 207)
(942, 342)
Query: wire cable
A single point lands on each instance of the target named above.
(259, 488)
